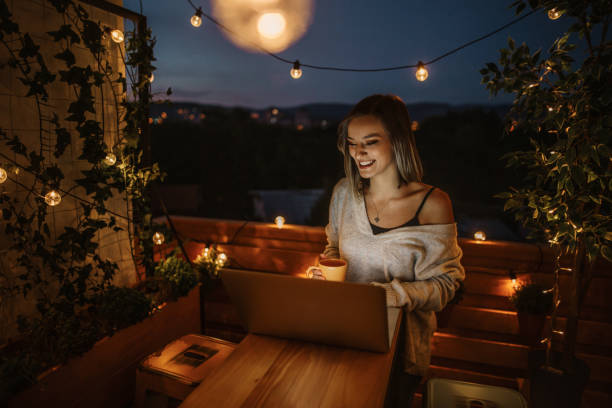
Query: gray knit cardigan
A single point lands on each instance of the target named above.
(419, 267)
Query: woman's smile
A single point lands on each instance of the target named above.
(365, 164)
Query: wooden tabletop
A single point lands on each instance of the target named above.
(266, 371)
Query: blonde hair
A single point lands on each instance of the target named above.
(392, 113)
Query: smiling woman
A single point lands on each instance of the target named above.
(391, 229)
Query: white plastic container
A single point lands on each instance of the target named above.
(443, 393)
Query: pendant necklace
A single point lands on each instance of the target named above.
(377, 218)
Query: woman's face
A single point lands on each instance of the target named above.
(369, 146)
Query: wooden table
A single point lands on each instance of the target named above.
(267, 371)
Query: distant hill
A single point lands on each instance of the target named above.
(331, 112)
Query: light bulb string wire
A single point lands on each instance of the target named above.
(65, 192)
(343, 69)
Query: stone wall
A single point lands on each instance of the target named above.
(21, 115)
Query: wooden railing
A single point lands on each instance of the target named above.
(481, 343)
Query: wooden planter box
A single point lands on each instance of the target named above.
(105, 375)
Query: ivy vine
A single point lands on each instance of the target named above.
(62, 270)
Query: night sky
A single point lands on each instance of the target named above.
(202, 65)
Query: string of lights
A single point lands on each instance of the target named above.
(421, 72)
(52, 197)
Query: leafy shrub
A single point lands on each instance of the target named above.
(178, 276)
(119, 307)
(531, 298)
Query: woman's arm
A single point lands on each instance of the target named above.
(428, 295)
(331, 230)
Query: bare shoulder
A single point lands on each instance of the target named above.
(438, 209)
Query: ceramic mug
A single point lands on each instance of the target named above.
(333, 269)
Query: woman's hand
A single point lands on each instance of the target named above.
(315, 272)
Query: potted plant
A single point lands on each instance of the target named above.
(443, 316)
(532, 303)
(562, 106)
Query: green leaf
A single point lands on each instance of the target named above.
(608, 235)
(67, 56)
(596, 200)
(511, 204)
(606, 252)
(63, 141)
(510, 43)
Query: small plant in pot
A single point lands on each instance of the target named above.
(177, 277)
(533, 303)
(443, 316)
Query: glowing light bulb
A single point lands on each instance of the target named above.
(110, 159)
(512, 276)
(221, 259)
(152, 77)
(480, 235)
(550, 109)
(53, 198)
(271, 25)
(16, 170)
(3, 175)
(117, 36)
(296, 71)
(421, 73)
(158, 238)
(554, 14)
(279, 221)
(196, 19)
(274, 111)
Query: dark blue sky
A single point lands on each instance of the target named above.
(202, 65)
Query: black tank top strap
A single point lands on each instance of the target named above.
(423, 202)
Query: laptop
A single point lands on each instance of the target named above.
(343, 314)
